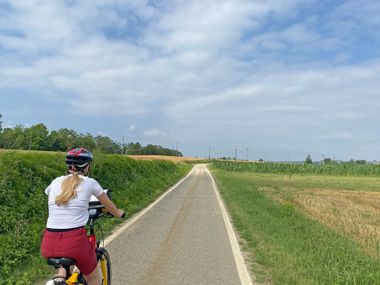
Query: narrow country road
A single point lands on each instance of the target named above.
(182, 239)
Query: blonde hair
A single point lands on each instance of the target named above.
(68, 189)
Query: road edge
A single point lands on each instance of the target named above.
(241, 265)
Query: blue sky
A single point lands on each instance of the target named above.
(282, 78)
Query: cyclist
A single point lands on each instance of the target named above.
(68, 198)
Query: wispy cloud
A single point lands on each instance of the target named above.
(337, 136)
(154, 133)
(132, 127)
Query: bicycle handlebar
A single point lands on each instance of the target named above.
(95, 204)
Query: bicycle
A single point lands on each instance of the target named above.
(75, 277)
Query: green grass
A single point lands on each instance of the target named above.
(291, 247)
(23, 204)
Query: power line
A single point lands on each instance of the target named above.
(203, 150)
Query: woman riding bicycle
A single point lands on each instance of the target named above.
(65, 234)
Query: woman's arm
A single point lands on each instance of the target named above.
(110, 206)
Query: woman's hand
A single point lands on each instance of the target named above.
(121, 214)
(110, 206)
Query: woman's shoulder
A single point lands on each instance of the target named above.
(60, 178)
(89, 179)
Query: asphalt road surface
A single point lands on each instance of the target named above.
(182, 239)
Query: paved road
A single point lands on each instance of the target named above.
(181, 240)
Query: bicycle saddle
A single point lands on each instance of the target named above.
(58, 262)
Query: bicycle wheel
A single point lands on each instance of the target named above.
(105, 265)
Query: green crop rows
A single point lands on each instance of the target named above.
(344, 169)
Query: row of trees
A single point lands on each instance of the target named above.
(38, 137)
(328, 160)
(136, 148)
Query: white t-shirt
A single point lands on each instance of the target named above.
(75, 212)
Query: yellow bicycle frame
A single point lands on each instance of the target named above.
(73, 280)
(103, 264)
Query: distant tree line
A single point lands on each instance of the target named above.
(328, 160)
(38, 137)
(136, 148)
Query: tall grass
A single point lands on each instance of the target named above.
(23, 205)
(344, 169)
(293, 248)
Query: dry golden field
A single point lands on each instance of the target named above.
(165, 157)
(353, 213)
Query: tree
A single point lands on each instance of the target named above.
(37, 136)
(86, 141)
(328, 160)
(62, 140)
(308, 159)
(56, 143)
(106, 145)
(13, 138)
(134, 148)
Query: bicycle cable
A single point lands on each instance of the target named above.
(101, 232)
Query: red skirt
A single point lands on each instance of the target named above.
(71, 244)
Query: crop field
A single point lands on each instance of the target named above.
(306, 229)
(174, 159)
(344, 169)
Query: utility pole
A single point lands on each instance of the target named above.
(247, 154)
(209, 152)
(1, 128)
(176, 148)
(235, 154)
(123, 147)
(30, 141)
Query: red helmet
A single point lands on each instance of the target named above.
(78, 157)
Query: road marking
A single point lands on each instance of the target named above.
(244, 276)
(143, 212)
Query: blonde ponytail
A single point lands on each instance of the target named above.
(68, 189)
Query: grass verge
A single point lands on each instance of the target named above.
(293, 247)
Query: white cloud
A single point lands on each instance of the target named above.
(67, 50)
(132, 127)
(326, 91)
(154, 133)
